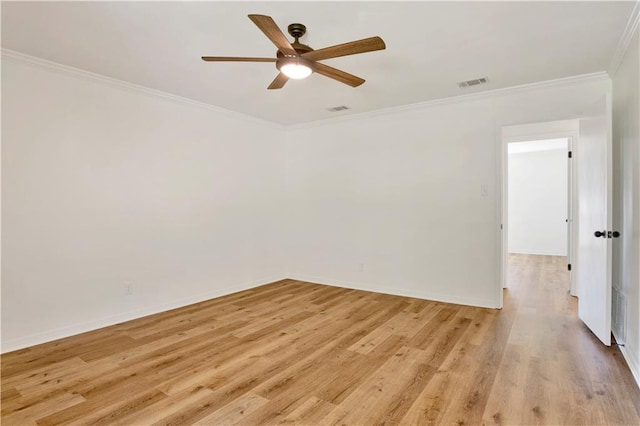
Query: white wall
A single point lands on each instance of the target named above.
(400, 193)
(538, 200)
(107, 185)
(626, 145)
(104, 185)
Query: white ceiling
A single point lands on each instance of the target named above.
(430, 47)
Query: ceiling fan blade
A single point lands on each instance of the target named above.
(336, 74)
(370, 44)
(235, 59)
(271, 30)
(278, 82)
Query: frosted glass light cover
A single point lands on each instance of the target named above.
(296, 71)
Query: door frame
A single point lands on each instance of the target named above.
(536, 131)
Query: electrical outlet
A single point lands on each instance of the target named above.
(360, 267)
(128, 289)
(484, 190)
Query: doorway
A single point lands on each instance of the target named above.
(538, 203)
(538, 194)
(590, 213)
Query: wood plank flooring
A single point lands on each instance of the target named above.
(297, 353)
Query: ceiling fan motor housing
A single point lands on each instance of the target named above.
(296, 31)
(298, 47)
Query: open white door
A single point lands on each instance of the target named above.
(594, 246)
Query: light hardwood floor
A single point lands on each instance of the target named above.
(298, 353)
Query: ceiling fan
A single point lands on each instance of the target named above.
(296, 60)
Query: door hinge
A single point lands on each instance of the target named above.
(569, 266)
(570, 154)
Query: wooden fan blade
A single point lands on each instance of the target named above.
(273, 33)
(278, 82)
(336, 74)
(370, 44)
(236, 59)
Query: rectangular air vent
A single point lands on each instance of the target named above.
(619, 323)
(474, 82)
(337, 108)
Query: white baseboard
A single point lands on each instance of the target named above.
(635, 370)
(59, 333)
(631, 363)
(482, 303)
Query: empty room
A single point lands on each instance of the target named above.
(315, 213)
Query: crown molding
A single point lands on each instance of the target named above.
(629, 31)
(88, 75)
(565, 81)
(79, 73)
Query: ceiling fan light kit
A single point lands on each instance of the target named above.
(295, 67)
(297, 61)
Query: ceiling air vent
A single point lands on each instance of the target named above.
(474, 82)
(337, 108)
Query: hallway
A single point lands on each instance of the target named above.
(554, 370)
